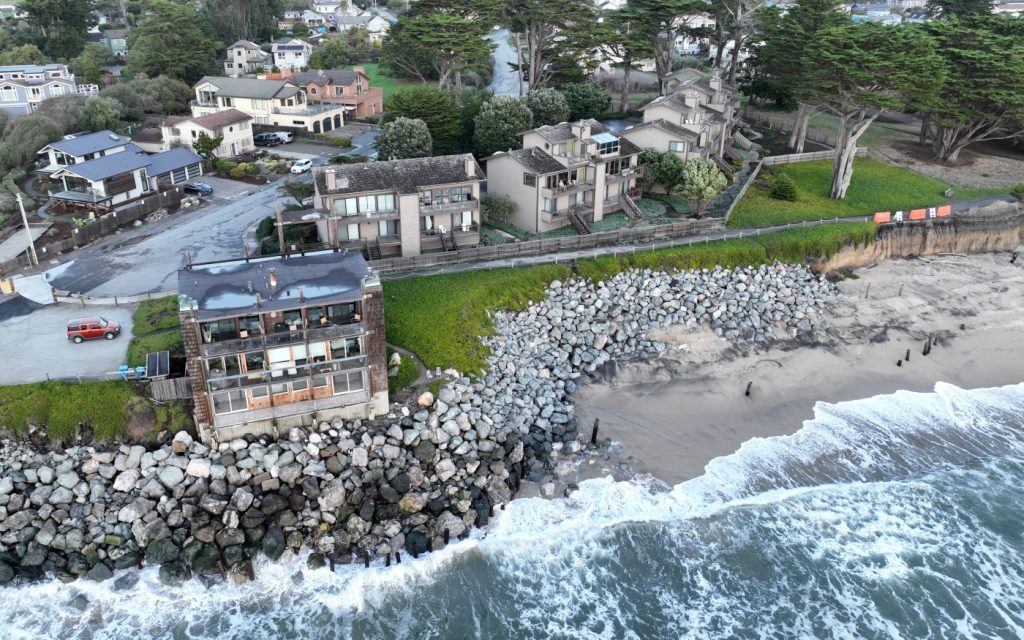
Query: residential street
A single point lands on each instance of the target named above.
(147, 259)
(504, 82)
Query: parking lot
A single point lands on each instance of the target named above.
(36, 345)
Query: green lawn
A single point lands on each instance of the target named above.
(156, 328)
(378, 79)
(408, 371)
(441, 318)
(875, 186)
(60, 406)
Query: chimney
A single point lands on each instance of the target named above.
(361, 70)
(581, 129)
(331, 179)
(690, 100)
(273, 278)
(716, 82)
(470, 166)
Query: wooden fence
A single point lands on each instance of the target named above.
(171, 389)
(784, 122)
(551, 245)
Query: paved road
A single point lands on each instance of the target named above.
(505, 81)
(146, 259)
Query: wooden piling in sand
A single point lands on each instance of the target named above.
(330, 558)
(446, 534)
(387, 559)
(907, 357)
(899, 363)
(366, 559)
(593, 434)
(251, 571)
(398, 558)
(749, 385)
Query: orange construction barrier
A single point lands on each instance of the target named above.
(918, 214)
(882, 217)
(945, 211)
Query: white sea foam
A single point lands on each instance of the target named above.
(851, 527)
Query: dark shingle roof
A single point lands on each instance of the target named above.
(89, 143)
(249, 88)
(563, 130)
(245, 44)
(167, 161)
(627, 148)
(221, 119)
(666, 126)
(116, 34)
(403, 176)
(221, 289)
(536, 160)
(323, 76)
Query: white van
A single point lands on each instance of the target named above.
(284, 136)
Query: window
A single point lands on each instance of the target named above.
(227, 102)
(367, 204)
(529, 180)
(219, 330)
(348, 232)
(387, 228)
(464, 219)
(56, 90)
(223, 366)
(342, 313)
(386, 202)
(300, 385)
(427, 223)
(312, 90)
(346, 206)
(259, 392)
(255, 361)
(462, 194)
(229, 401)
(319, 382)
(549, 205)
(251, 325)
(348, 382)
(677, 146)
(345, 348)
(613, 168)
(576, 199)
(604, 148)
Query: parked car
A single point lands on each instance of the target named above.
(302, 166)
(266, 139)
(284, 136)
(81, 329)
(199, 189)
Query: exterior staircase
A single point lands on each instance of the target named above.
(632, 211)
(582, 226)
(448, 241)
(373, 251)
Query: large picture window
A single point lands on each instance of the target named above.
(348, 382)
(219, 330)
(345, 348)
(229, 401)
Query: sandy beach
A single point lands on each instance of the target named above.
(674, 414)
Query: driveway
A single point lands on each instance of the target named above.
(146, 259)
(225, 189)
(305, 150)
(505, 81)
(37, 344)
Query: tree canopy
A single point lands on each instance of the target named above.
(859, 71)
(61, 24)
(403, 138)
(983, 96)
(436, 107)
(243, 19)
(586, 100)
(499, 124)
(100, 113)
(556, 33)
(88, 65)
(24, 54)
(23, 137)
(701, 181)
(174, 40)
(547, 105)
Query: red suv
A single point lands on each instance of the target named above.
(81, 329)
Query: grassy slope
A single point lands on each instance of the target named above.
(387, 83)
(440, 318)
(408, 371)
(62, 405)
(875, 187)
(156, 328)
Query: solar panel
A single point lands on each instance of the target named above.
(158, 364)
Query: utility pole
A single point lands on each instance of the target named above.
(31, 241)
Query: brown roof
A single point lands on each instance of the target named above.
(221, 119)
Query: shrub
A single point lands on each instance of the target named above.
(1017, 191)
(783, 188)
(252, 169)
(223, 166)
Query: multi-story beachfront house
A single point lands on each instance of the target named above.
(699, 103)
(282, 341)
(349, 88)
(397, 207)
(23, 87)
(569, 173)
(278, 103)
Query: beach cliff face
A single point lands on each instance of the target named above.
(997, 227)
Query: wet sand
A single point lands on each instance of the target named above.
(676, 413)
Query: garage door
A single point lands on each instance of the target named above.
(194, 170)
(178, 175)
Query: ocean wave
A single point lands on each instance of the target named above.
(894, 516)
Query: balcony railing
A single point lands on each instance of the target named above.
(305, 109)
(277, 376)
(203, 103)
(571, 188)
(457, 229)
(367, 215)
(582, 209)
(461, 205)
(282, 338)
(626, 174)
(573, 158)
